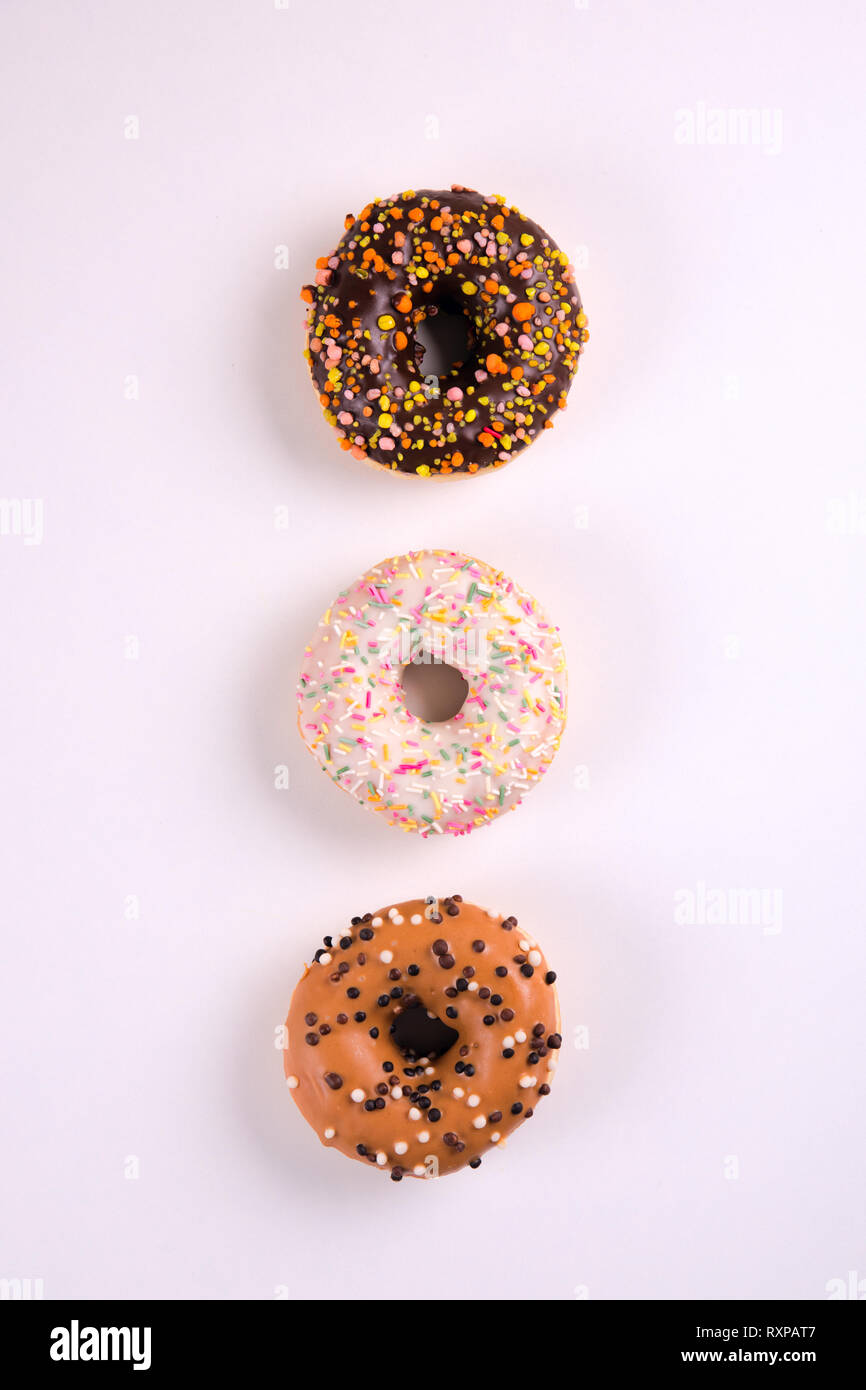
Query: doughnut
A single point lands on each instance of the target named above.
(422, 1035)
(405, 259)
(434, 778)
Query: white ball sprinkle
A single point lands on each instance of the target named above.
(396, 1093)
(292, 1082)
(495, 1137)
(392, 913)
(422, 1136)
(401, 1146)
(520, 1035)
(386, 957)
(473, 984)
(473, 1101)
(381, 1159)
(534, 957)
(479, 1122)
(458, 1093)
(414, 1113)
(357, 1095)
(377, 922)
(524, 945)
(526, 1081)
(325, 958)
(416, 919)
(397, 920)
(428, 1071)
(419, 1170)
(508, 1042)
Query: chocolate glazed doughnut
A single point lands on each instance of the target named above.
(403, 260)
(422, 1036)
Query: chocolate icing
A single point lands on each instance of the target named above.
(400, 261)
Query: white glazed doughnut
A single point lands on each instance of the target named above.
(450, 777)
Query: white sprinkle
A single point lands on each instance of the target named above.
(524, 945)
(386, 957)
(292, 1082)
(419, 1170)
(416, 919)
(325, 958)
(551, 1066)
(495, 1137)
(473, 1101)
(329, 1133)
(392, 913)
(526, 1081)
(396, 1093)
(377, 922)
(397, 920)
(422, 1136)
(473, 984)
(381, 1159)
(508, 1042)
(520, 1035)
(458, 1093)
(357, 1095)
(428, 1071)
(414, 1113)
(479, 1122)
(534, 957)
(401, 1146)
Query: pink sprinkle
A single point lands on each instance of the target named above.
(525, 342)
(455, 394)
(386, 442)
(465, 246)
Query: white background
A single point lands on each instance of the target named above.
(696, 523)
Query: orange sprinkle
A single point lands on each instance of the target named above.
(522, 311)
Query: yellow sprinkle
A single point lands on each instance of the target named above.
(526, 239)
(385, 420)
(469, 288)
(385, 322)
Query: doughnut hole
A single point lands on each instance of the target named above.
(417, 1032)
(444, 341)
(433, 691)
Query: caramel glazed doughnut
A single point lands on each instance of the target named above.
(398, 263)
(422, 1036)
